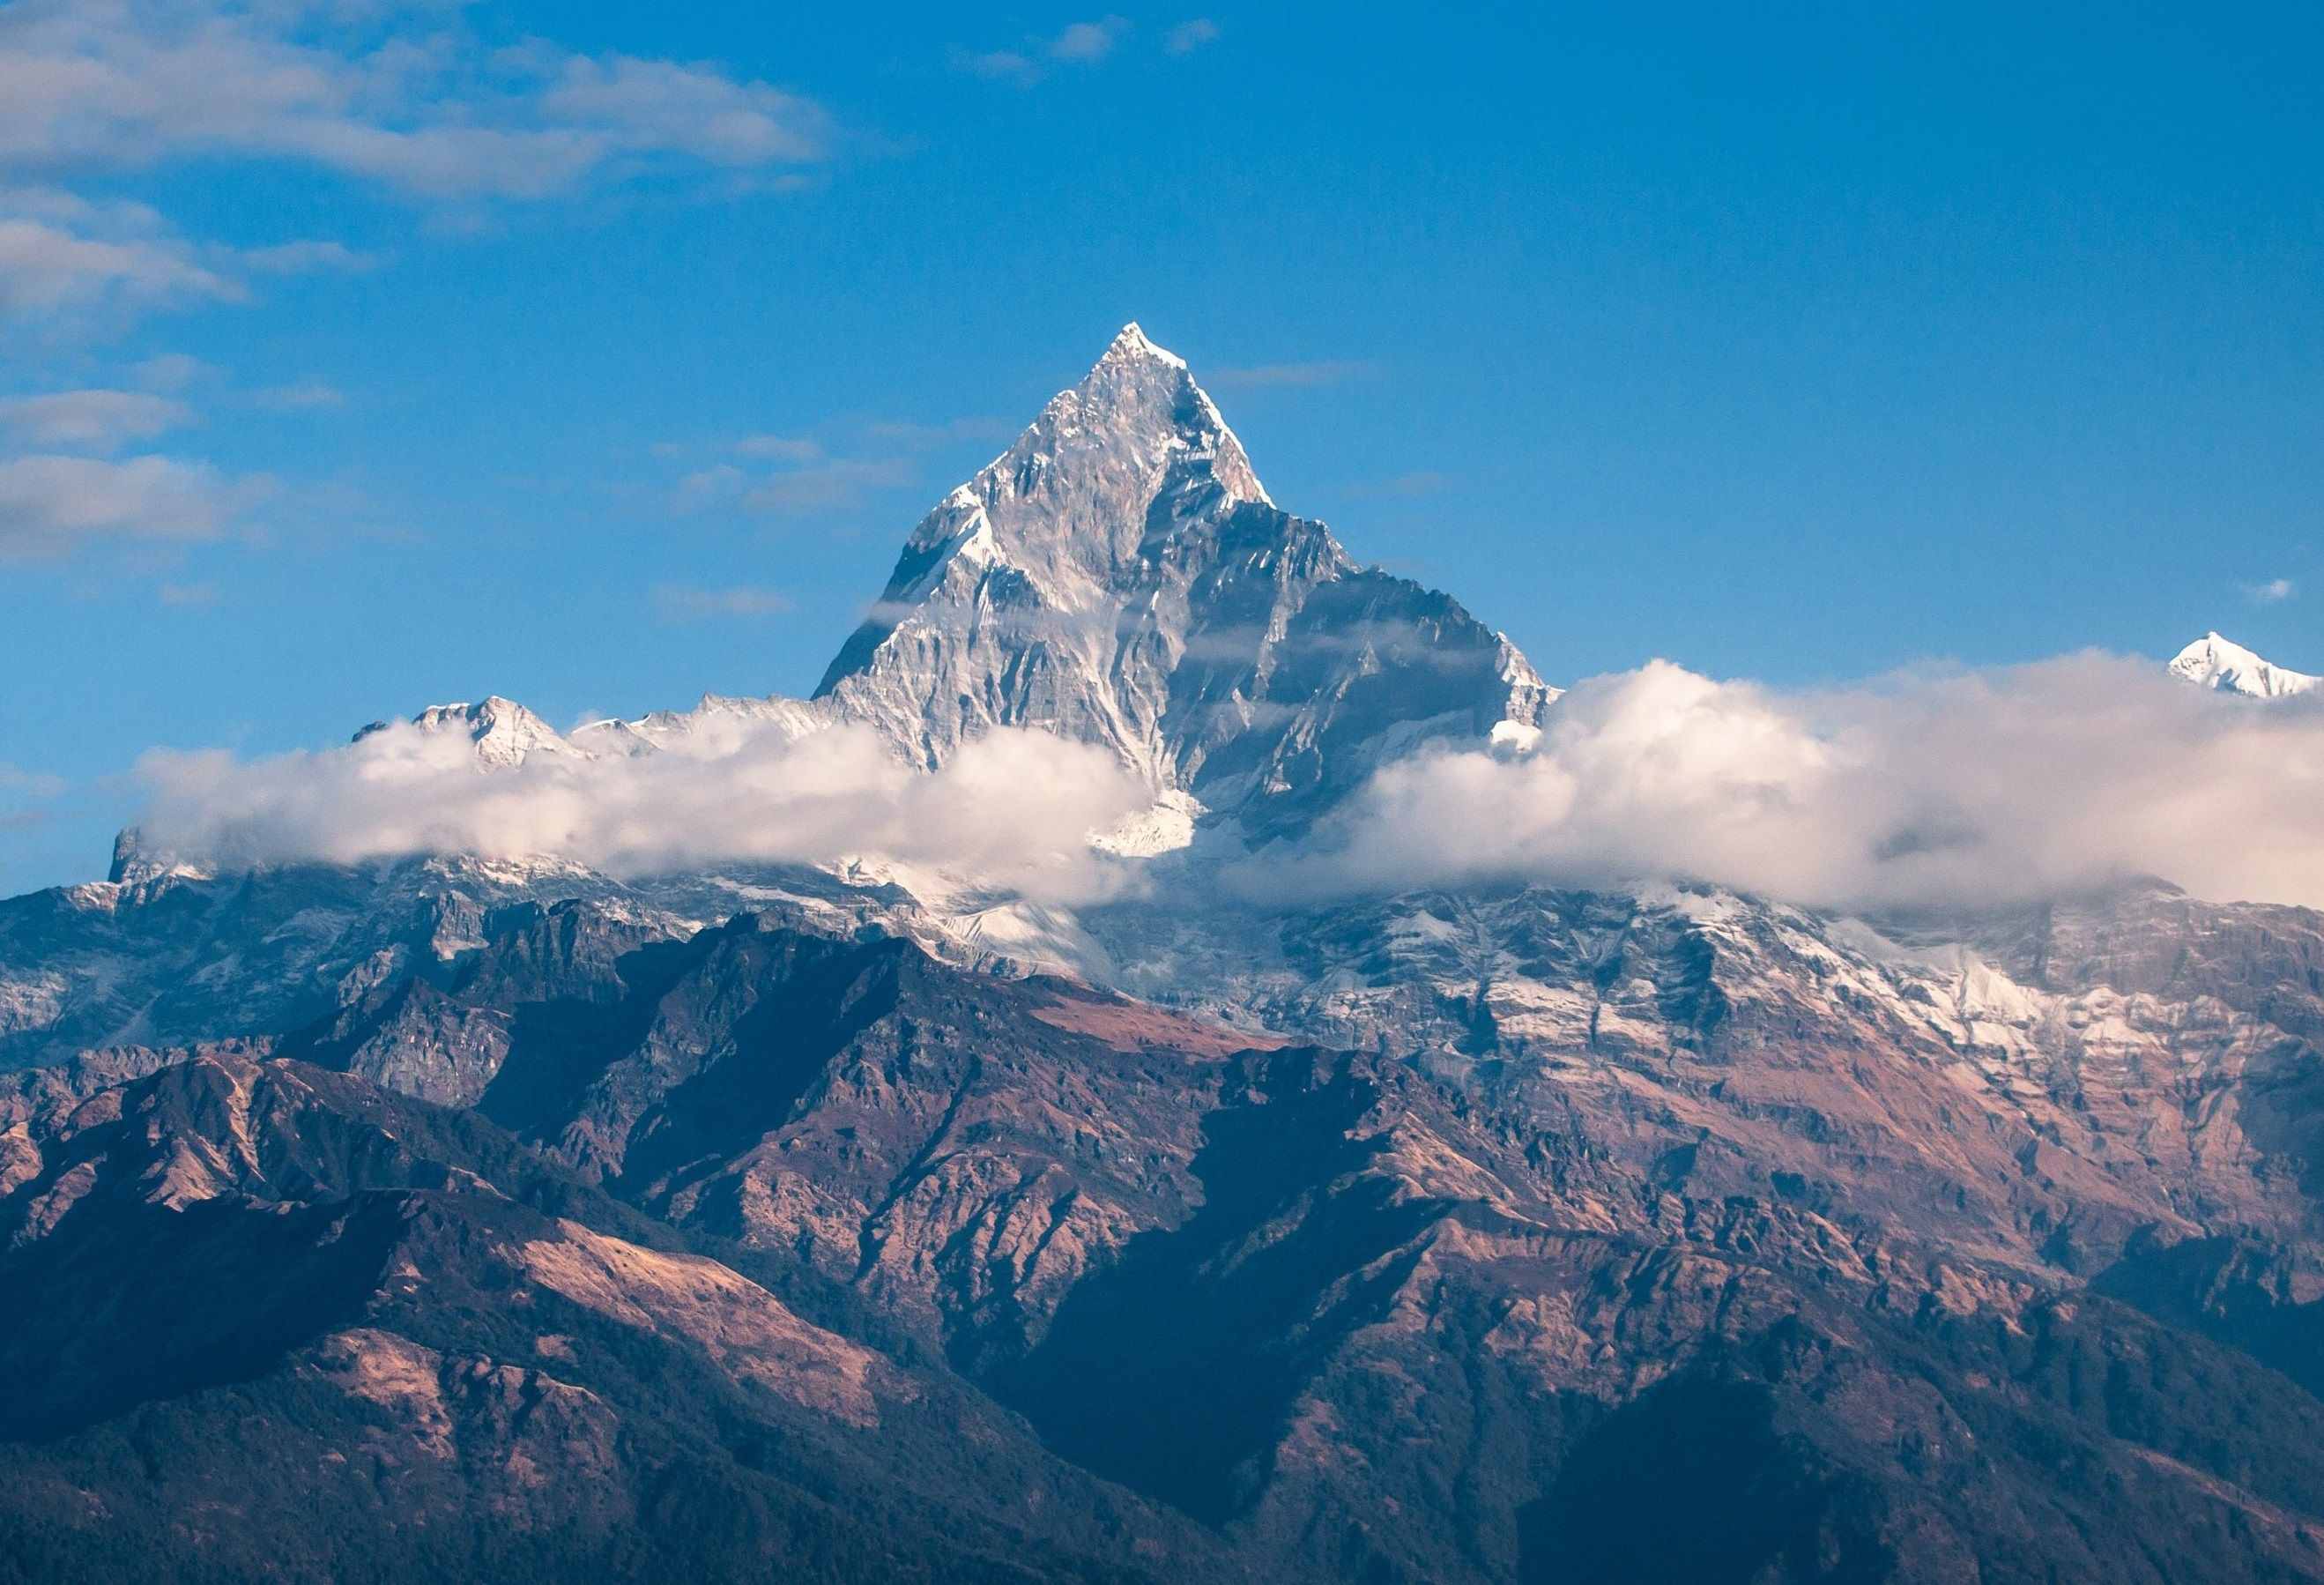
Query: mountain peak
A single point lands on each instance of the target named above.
(1132, 343)
(2215, 662)
(1119, 576)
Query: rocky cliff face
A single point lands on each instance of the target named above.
(513, 1220)
(1838, 1291)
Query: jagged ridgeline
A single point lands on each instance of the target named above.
(485, 1216)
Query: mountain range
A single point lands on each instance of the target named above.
(497, 1215)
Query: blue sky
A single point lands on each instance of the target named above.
(355, 358)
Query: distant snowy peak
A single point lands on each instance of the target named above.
(507, 735)
(504, 732)
(717, 724)
(2212, 662)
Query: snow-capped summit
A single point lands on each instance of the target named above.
(504, 732)
(2212, 662)
(1121, 576)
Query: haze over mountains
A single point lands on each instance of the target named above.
(1186, 1057)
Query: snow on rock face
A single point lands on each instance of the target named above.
(1120, 576)
(2212, 662)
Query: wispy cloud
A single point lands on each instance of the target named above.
(2274, 592)
(841, 482)
(172, 371)
(30, 783)
(780, 448)
(814, 483)
(709, 486)
(416, 103)
(1326, 371)
(51, 504)
(62, 255)
(1079, 43)
(1011, 66)
(74, 264)
(307, 258)
(678, 602)
(1190, 36)
(187, 595)
(100, 420)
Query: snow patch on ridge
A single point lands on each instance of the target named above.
(2215, 662)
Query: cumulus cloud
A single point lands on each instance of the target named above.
(51, 504)
(96, 419)
(1011, 807)
(1937, 789)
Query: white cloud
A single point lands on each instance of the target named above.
(95, 418)
(61, 255)
(1012, 807)
(675, 602)
(49, 505)
(1190, 36)
(1966, 788)
(410, 100)
(2274, 592)
(187, 595)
